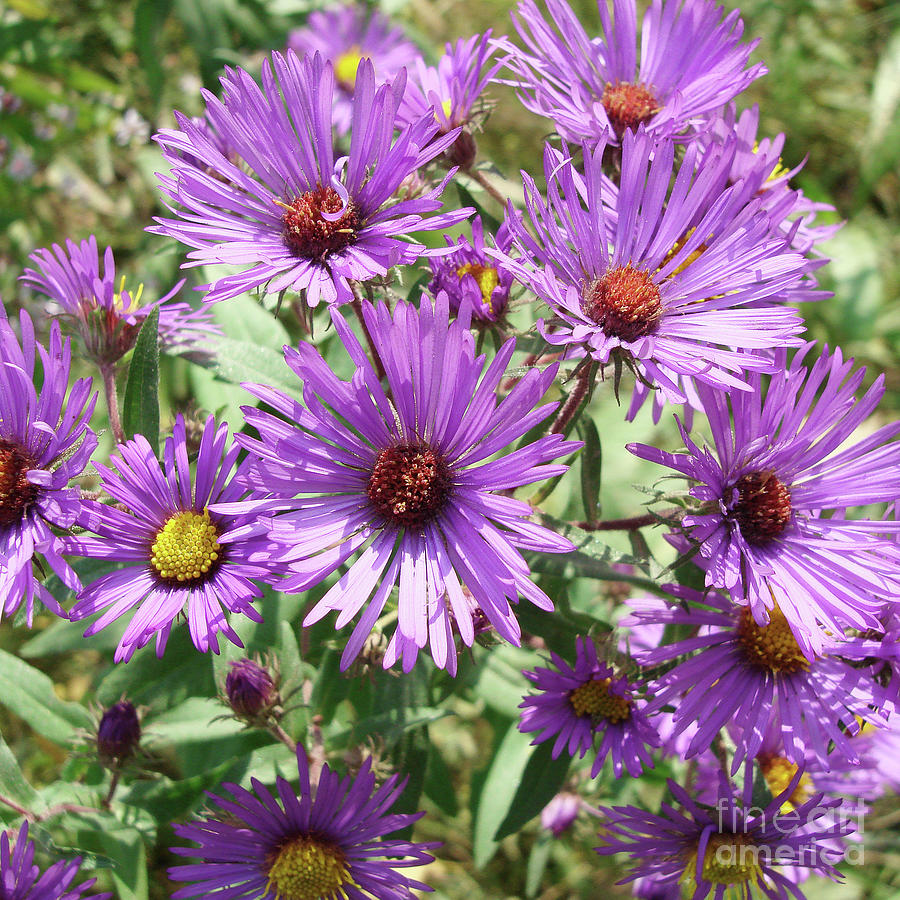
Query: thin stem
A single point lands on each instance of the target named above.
(108, 373)
(8, 801)
(632, 523)
(107, 800)
(566, 415)
(283, 736)
(482, 180)
(376, 359)
(317, 751)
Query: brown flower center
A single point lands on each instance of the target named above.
(16, 492)
(625, 303)
(308, 234)
(771, 646)
(627, 105)
(593, 699)
(409, 484)
(763, 509)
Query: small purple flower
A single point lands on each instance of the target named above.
(692, 63)
(578, 705)
(728, 850)
(450, 91)
(301, 218)
(108, 317)
(468, 275)
(559, 815)
(249, 688)
(328, 843)
(45, 442)
(21, 879)
(345, 36)
(744, 675)
(182, 555)
(403, 475)
(671, 278)
(774, 493)
(119, 732)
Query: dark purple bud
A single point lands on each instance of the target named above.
(249, 688)
(119, 732)
(462, 151)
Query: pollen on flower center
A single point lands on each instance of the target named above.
(593, 699)
(308, 234)
(628, 105)
(409, 484)
(729, 859)
(308, 869)
(486, 278)
(779, 772)
(625, 303)
(763, 508)
(771, 646)
(345, 67)
(186, 549)
(16, 492)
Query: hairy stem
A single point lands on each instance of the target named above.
(108, 373)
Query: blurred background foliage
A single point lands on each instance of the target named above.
(83, 86)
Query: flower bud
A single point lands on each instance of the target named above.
(249, 688)
(119, 732)
(560, 813)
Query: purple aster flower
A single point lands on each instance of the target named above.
(301, 218)
(468, 275)
(744, 674)
(345, 36)
(329, 843)
(662, 277)
(45, 442)
(108, 317)
(21, 879)
(119, 732)
(578, 705)
(404, 477)
(732, 849)
(771, 528)
(181, 553)
(692, 63)
(449, 92)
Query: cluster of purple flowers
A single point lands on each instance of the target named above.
(665, 240)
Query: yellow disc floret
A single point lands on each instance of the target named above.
(486, 278)
(779, 772)
(676, 247)
(594, 699)
(308, 869)
(186, 548)
(729, 859)
(771, 646)
(345, 67)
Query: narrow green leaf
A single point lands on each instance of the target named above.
(497, 793)
(149, 18)
(540, 783)
(29, 694)
(140, 413)
(537, 863)
(410, 757)
(591, 462)
(13, 783)
(439, 787)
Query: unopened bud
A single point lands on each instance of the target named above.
(462, 151)
(249, 688)
(119, 732)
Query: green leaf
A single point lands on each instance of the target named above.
(497, 792)
(140, 413)
(591, 461)
(125, 847)
(410, 757)
(244, 361)
(537, 863)
(29, 694)
(149, 18)
(439, 787)
(14, 785)
(540, 783)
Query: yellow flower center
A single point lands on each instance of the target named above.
(771, 646)
(307, 869)
(779, 169)
(676, 247)
(486, 277)
(594, 699)
(345, 67)
(778, 773)
(186, 548)
(729, 859)
(134, 300)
